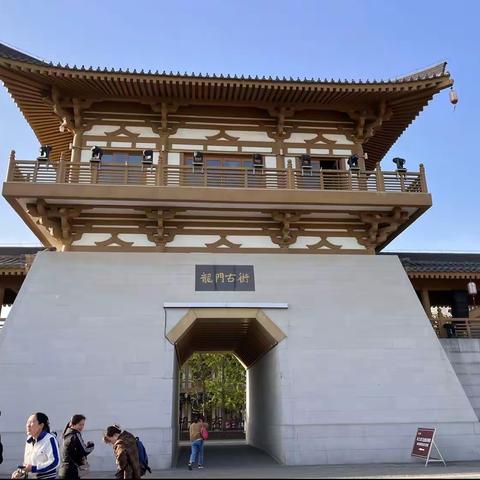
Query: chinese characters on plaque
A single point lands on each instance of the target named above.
(238, 278)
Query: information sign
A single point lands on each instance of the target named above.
(423, 445)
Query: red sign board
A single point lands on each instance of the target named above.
(423, 442)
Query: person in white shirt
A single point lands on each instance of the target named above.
(41, 450)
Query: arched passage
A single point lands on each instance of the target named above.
(251, 335)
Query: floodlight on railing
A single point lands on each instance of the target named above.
(147, 157)
(198, 159)
(97, 154)
(257, 160)
(44, 153)
(306, 161)
(400, 163)
(353, 163)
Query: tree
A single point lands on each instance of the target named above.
(219, 382)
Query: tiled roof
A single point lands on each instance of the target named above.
(437, 70)
(13, 259)
(13, 54)
(439, 262)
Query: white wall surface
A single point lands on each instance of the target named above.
(359, 370)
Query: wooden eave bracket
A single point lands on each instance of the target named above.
(380, 226)
(280, 113)
(368, 121)
(71, 122)
(57, 220)
(165, 108)
(161, 236)
(288, 233)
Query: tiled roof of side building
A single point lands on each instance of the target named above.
(439, 262)
(16, 258)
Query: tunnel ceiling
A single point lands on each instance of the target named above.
(248, 333)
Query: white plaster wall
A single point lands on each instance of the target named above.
(359, 370)
(464, 355)
(264, 398)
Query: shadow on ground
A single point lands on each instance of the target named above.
(230, 454)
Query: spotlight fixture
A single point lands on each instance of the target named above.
(306, 161)
(400, 163)
(97, 154)
(257, 160)
(353, 162)
(147, 157)
(198, 159)
(44, 153)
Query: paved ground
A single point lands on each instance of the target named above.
(229, 459)
(238, 460)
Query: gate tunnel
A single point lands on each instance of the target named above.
(252, 336)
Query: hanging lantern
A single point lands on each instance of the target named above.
(472, 288)
(453, 96)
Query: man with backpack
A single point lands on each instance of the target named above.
(198, 434)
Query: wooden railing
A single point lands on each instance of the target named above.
(62, 172)
(462, 327)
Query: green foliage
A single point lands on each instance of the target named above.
(219, 381)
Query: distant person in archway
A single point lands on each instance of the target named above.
(74, 450)
(198, 434)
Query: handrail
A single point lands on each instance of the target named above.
(62, 172)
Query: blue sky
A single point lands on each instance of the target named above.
(334, 39)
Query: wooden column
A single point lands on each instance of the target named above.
(426, 301)
(77, 146)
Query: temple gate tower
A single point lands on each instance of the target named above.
(187, 213)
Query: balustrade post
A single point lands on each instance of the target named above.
(159, 174)
(423, 179)
(290, 175)
(379, 178)
(61, 171)
(322, 182)
(467, 324)
(11, 167)
(94, 174)
(245, 177)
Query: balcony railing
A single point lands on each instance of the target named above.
(456, 327)
(86, 173)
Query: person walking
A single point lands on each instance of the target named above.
(198, 434)
(74, 451)
(125, 450)
(41, 450)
